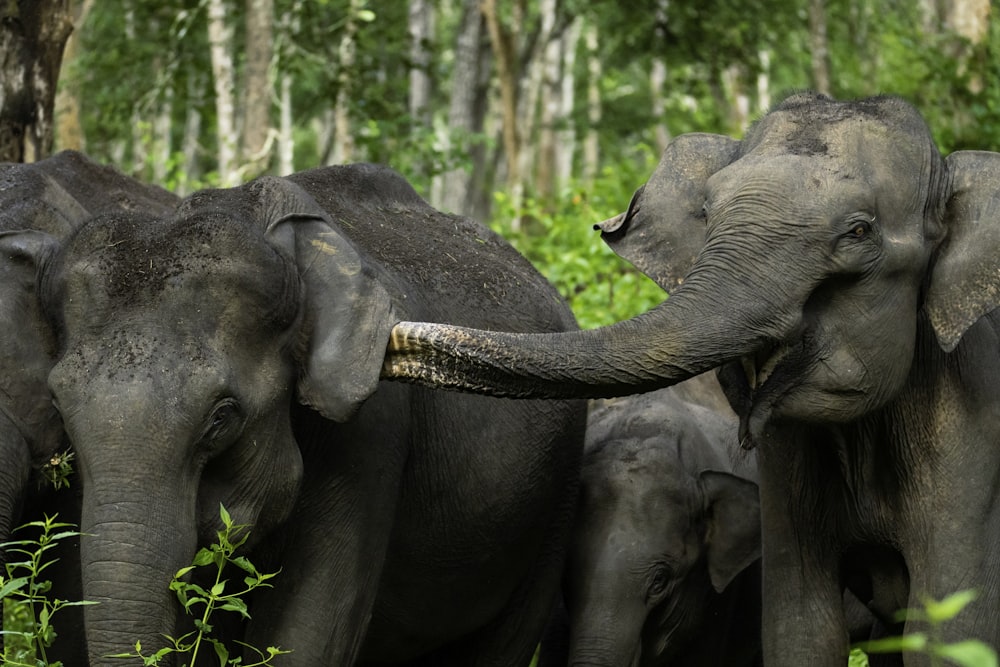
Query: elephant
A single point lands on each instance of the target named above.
(229, 354)
(841, 275)
(40, 200)
(663, 567)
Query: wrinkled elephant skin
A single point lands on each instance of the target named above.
(842, 273)
(664, 564)
(42, 202)
(230, 353)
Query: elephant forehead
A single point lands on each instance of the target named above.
(206, 269)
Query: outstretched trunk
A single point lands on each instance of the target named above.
(682, 337)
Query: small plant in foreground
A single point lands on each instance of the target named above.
(935, 613)
(212, 600)
(23, 592)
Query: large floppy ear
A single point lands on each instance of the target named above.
(732, 505)
(965, 278)
(347, 308)
(663, 229)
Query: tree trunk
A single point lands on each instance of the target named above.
(565, 147)
(192, 133)
(421, 25)
(69, 131)
(818, 46)
(591, 144)
(507, 76)
(33, 34)
(257, 87)
(465, 108)
(220, 40)
(658, 82)
(343, 135)
(971, 20)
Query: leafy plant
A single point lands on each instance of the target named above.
(213, 599)
(24, 592)
(935, 613)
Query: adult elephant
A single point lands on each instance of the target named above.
(39, 201)
(844, 275)
(230, 353)
(663, 567)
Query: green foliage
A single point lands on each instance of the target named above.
(934, 614)
(213, 599)
(27, 606)
(559, 240)
(58, 470)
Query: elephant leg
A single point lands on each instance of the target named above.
(332, 552)
(803, 615)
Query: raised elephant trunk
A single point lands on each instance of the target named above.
(682, 337)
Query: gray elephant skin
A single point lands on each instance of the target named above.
(663, 568)
(230, 354)
(843, 274)
(38, 202)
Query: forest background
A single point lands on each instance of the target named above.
(540, 118)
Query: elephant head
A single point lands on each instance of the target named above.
(184, 343)
(40, 203)
(663, 528)
(809, 252)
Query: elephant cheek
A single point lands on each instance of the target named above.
(258, 483)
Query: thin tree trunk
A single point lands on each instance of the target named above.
(257, 86)
(764, 82)
(69, 130)
(343, 135)
(566, 134)
(464, 107)
(421, 26)
(192, 133)
(550, 94)
(220, 40)
(591, 144)
(162, 145)
(33, 34)
(658, 82)
(971, 20)
(819, 47)
(507, 75)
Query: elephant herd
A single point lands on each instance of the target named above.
(801, 440)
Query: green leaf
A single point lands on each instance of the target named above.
(949, 607)
(203, 557)
(13, 585)
(366, 15)
(218, 589)
(227, 520)
(221, 651)
(911, 642)
(237, 605)
(969, 653)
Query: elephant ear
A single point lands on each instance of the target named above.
(965, 279)
(732, 506)
(663, 230)
(347, 309)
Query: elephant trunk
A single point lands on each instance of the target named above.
(695, 330)
(603, 640)
(129, 558)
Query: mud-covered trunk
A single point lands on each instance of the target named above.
(696, 329)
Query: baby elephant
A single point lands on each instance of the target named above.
(664, 568)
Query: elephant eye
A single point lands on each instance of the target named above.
(861, 228)
(223, 421)
(659, 581)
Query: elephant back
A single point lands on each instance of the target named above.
(57, 194)
(448, 268)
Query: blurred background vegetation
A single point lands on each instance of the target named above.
(540, 118)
